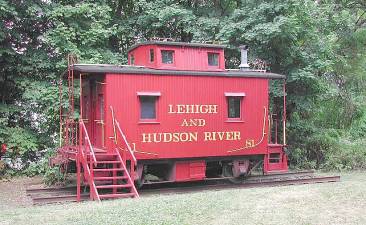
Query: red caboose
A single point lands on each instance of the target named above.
(175, 113)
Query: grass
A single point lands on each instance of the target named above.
(330, 203)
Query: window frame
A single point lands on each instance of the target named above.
(218, 59)
(239, 95)
(148, 120)
(173, 57)
(151, 53)
(132, 59)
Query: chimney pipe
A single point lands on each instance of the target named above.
(244, 66)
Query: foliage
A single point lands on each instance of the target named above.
(346, 156)
(53, 175)
(83, 29)
(318, 45)
(37, 168)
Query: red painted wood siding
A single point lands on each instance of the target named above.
(121, 93)
(185, 58)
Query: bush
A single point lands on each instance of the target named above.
(299, 159)
(54, 175)
(349, 155)
(329, 151)
(37, 168)
(358, 129)
(51, 175)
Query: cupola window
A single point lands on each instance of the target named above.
(152, 55)
(213, 59)
(132, 60)
(167, 56)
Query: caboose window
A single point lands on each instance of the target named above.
(148, 109)
(234, 107)
(234, 101)
(148, 105)
(151, 55)
(213, 59)
(132, 60)
(167, 56)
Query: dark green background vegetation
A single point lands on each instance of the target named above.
(319, 45)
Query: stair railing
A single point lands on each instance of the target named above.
(129, 177)
(87, 139)
(125, 141)
(117, 130)
(85, 144)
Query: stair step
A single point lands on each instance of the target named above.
(103, 182)
(105, 157)
(125, 195)
(102, 155)
(99, 150)
(114, 186)
(97, 153)
(105, 153)
(112, 162)
(110, 178)
(108, 169)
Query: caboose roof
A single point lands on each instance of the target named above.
(171, 43)
(116, 69)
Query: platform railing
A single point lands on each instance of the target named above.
(69, 133)
(273, 129)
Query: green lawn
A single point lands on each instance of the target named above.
(330, 203)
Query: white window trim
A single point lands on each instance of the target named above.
(148, 93)
(235, 94)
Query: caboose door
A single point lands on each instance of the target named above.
(99, 122)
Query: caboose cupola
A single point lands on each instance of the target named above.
(177, 56)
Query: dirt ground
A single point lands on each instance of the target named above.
(13, 194)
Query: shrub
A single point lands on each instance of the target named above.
(37, 168)
(54, 175)
(349, 155)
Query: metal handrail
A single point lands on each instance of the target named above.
(88, 140)
(116, 124)
(90, 177)
(128, 175)
(88, 169)
(126, 142)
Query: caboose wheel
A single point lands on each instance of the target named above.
(227, 171)
(140, 182)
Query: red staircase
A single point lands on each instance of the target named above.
(104, 172)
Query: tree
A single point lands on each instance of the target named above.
(21, 59)
(318, 45)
